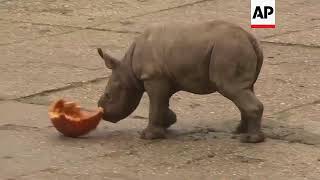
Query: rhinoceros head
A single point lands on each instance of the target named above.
(121, 95)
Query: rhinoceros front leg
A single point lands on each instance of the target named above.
(171, 119)
(160, 116)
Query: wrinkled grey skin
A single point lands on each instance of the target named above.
(201, 58)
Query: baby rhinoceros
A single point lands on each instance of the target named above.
(201, 58)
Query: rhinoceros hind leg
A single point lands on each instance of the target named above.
(251, 114)
(242, 127)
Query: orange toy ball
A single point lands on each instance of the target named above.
(72, 121)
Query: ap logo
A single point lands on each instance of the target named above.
(263, 14)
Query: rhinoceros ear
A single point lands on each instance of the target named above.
(110, 61)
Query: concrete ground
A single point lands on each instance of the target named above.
(48, 51)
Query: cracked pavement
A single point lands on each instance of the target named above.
(48, 51)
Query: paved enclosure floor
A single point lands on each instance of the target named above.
(48, 51)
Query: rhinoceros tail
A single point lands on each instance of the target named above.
(258, 50)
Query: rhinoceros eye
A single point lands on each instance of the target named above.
(106, 95)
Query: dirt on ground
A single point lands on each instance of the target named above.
(48, 51)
